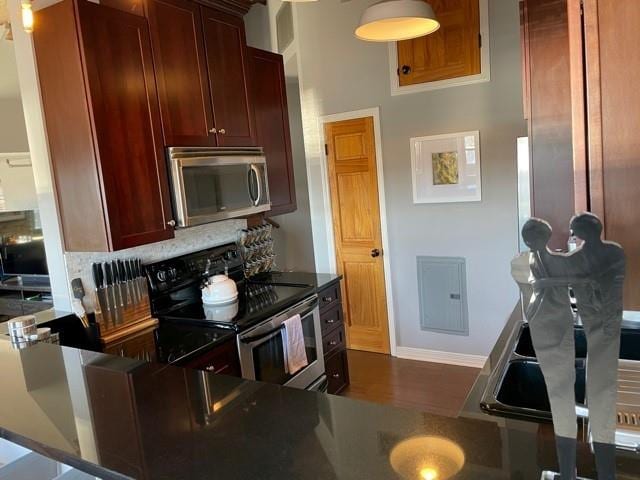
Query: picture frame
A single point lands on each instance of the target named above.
(446, 168)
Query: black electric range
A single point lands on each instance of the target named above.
(187, 326)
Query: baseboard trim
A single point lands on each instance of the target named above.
(462, 359)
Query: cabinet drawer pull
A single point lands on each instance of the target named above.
(333, 343)
(171, 223)
(213, 130)
(327, 299)
(222, 131)
(336, 375)
(210, 368)
(331, 320)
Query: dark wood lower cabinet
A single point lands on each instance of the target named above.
(333, 338)
(223, 359)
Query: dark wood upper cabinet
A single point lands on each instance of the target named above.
(103, 124)
(272, 127)
(226, 54)
(181, 72)
(547, 106)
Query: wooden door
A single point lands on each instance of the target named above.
(181, 72)
(452, 51)
(272, 127)
(611, 36)
(127, 129)
(226, 53)
(353, 183)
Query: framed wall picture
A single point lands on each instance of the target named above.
(446, 168)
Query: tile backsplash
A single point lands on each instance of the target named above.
(186, 240)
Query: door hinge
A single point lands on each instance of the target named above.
(326, 149)
(479, 40)
(581, 8)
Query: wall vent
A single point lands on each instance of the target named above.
(284, 26)
(442, 290)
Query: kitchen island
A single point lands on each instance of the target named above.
(119, 418)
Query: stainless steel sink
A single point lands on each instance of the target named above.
(516, 387)
(523, 387)
(629, 343)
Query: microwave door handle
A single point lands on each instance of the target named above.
(256, 173)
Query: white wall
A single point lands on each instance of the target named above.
(294, 239)
(13, 133)
(339, 73)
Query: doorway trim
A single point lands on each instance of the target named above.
(386, 261)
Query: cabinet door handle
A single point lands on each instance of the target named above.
(333, 343)
(171, 223)
(210, 368)
(327, 299)
(222, 131)
(331, 320)
(336, 375)
(213, 130)
(375, 252)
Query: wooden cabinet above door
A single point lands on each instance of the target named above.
(181, 72)
(226, 53)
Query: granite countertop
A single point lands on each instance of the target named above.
(44, 316)
(317, 280)
(121, 418)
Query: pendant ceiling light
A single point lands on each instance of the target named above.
(395, 20)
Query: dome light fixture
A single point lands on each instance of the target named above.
(395, 20)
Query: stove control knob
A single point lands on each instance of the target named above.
(161, 275)
(230, 254)
(173, 273)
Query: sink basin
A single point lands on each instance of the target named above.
(516, 387)
(522, 390)
(629, 343)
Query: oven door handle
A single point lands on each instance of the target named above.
(263, 336)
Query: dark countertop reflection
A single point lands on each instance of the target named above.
(114, 417)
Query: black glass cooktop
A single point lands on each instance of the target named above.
(256, 302)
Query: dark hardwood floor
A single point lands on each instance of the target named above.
(429, 387)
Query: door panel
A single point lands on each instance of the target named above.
(611, 39)
(452, 51)
(225, 45)
(356, 223)
(181, 72)
(125, 112)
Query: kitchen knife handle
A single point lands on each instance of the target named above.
(121, 271)
(98, 278)
(108, 274)
(116, 273)
(128, 269)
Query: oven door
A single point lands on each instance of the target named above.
(211, 188)
(262, 354)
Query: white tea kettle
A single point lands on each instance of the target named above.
(219, 290)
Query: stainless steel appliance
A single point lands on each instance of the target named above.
(262, 354)
(211, 184)
(256, 316)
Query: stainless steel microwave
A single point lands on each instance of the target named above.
(211, 184)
